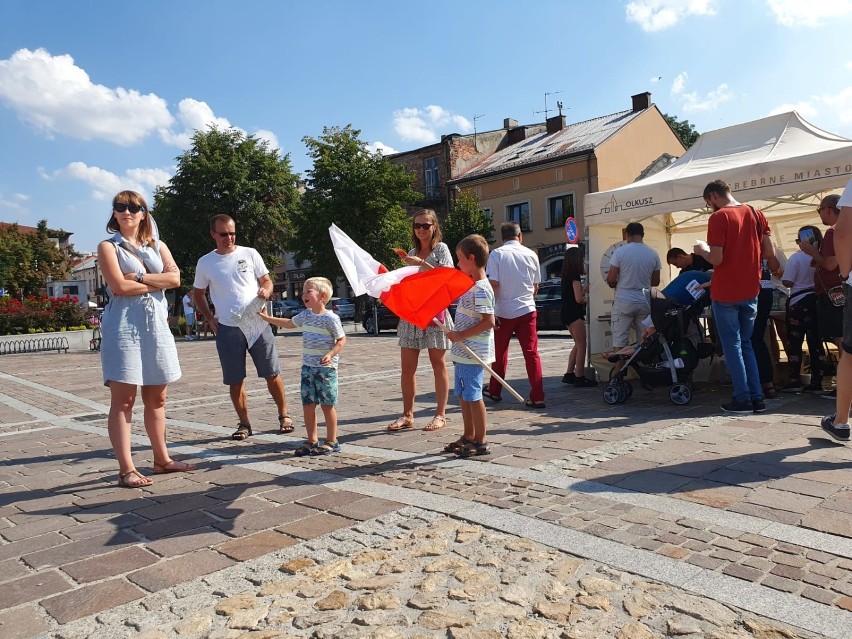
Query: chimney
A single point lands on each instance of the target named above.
(517, 134)
(556, 123)
(509, 123)
(641, 101)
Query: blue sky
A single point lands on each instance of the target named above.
(97, 96)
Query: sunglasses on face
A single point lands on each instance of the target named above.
(423, 225)
(226, 234)
(133, 208)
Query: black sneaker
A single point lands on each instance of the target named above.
(569, 378)
(795, 386)
(840, 432)
(813, 387)
(584, 382)
(758, 406)
(832, 395)
(740, 408)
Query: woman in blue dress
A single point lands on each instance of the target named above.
(137, 347)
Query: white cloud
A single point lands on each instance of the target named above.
(21, 197)
(692, 102)
(808, 13)
(655, 79)
(425, 125)
(848, 65)
(679, 83)
(805, 109)
(841, 103)
(380, 147)
(12, 204)
(269, 137)
(55, 96)
(105, 184)
(656, 15)
(193, 116)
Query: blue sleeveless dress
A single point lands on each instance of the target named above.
(137, 346)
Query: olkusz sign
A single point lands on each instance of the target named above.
(613, 206)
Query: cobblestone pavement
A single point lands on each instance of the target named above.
(587, 520)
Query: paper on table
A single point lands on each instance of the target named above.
(249, 322)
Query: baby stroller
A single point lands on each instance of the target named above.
(668, 356)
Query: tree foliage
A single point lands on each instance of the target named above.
(465, 218)
(28, 259)
(226, 171)
(683, 129)
(360, 191)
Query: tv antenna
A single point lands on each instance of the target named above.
(475, 118)
(547, 110)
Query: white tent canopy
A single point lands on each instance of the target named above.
(781, 164)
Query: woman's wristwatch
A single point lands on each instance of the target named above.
(139, 277)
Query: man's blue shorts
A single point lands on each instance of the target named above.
(468, 380)
(231, 344)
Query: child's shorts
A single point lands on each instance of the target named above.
(319, 385)
(469, 382)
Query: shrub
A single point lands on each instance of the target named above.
(40, 314)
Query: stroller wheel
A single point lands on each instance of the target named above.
(611, 394)
(622, 394)
(680, 394)
(628, 387)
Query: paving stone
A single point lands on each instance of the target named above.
(818, 594)
(22, 623)
(187, 542)
(705, 562)
(314, 526)
(34, 528)
(829, 521)
(110, 564)
(12, 569)
(779, 583)
(91, 599)
(743, 572)
(252, 546)
(171, 572)
(175, 524)
(33, 544)
(31, 588)
(76, 550)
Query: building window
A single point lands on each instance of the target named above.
(520, 214)
(559, 209)
(487, 213)
(432, 179)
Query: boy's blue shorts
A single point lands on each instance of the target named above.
(319, 385)
(468, 380)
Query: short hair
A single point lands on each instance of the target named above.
(436, 229)
(635, 228)
(320, 284)
(719, 187)
(474, 245)
(573, 261)
(830, 201)
(673, 254)
(144, 232)
(224, 219)
(509, 230)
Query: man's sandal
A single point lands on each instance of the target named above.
(438, 422)
(473, 449)
(402, 423)
(243, 432)
(173, 467)
(141, 480)
(305, 449)
(326, 449)
(285, 424)
(452, 447)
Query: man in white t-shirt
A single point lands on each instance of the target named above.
(832, 424)
(514, 274)
(189, 316)
(633, 269)
(236, 275)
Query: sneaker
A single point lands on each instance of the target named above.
(840, 432)
(832, 394)
(758, 406)
(584, 382)
(569, 378)
(795, 386)
(813, 387)
(740, 408)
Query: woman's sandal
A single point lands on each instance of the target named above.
(143, 482)
(473, 449)
(402, 423)
(452, 447)
(305, 449)
(243, 432)
(438, 422)
(173, 467)
(326, 449)
(285, 424)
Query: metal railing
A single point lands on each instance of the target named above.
(34, 345)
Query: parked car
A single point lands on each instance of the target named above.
(388, 320)
(287, 308)
(343, 307)
(548, 304)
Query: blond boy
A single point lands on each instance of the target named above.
(322, 340)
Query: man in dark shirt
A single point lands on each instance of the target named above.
(679, 258)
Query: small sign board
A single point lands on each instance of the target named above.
(571, 231)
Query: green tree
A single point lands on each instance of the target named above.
(28, 259)
(226, 171)
(683, 129)
(361, 192)
(465, 218)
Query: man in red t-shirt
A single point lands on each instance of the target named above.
(738, 235)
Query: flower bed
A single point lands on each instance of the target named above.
(41, 315)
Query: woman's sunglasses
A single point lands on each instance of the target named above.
(133, 208)
(423, 225)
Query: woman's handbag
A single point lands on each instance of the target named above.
(837, 295)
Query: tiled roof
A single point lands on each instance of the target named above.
(574, 138)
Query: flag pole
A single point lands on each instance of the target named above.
(502, 381)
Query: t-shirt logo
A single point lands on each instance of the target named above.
(242, 266)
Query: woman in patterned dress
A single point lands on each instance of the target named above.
(428, 252)
(137, 347)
